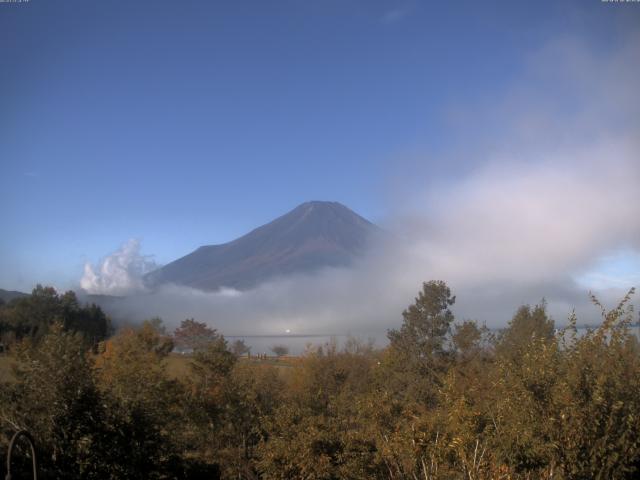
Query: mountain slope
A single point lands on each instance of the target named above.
(311, 236)
(8, 295)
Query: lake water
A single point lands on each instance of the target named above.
(298, 344)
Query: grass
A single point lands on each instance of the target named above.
(177, 365)
(6, 364)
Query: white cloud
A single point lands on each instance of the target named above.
(554, 187)
(119, 273)
(530, 221)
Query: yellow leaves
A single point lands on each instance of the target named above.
(455, 442)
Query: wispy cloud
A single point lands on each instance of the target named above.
(395, 15)
(618, 271)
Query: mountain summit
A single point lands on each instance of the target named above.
(311, 236)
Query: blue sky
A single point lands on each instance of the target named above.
(182, 123)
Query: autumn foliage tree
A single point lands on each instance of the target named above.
(193, 335)
(55, 397)
(443, 400)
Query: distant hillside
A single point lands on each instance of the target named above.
(311, 236)
(8, 295)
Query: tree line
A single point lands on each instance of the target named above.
(444, 400)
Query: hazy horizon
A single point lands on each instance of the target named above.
(506, 164)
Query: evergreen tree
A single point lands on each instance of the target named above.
(418, 354)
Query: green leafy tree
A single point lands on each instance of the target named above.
(55, 398)
(240, 348)
(318, 430)
(468, 339)
(32, 316)
(280, 350)
(210, 398)
(418, 356)
(426, 323)
(193, 335)
(145, 405)
(253, 394)
(526, 325)
(597, 405)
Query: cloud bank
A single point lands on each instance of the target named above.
(554, 189)
(120, 273)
